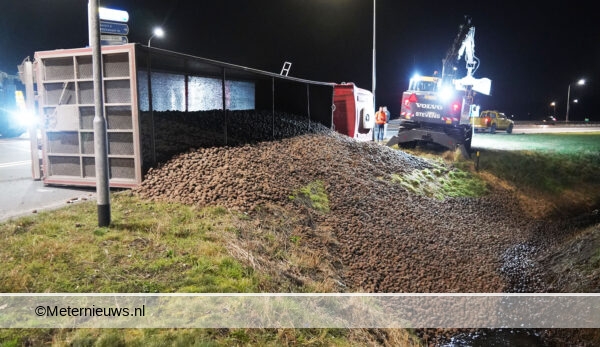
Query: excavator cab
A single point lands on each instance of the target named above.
(423, 84)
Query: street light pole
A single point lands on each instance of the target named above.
(374, 60)
(373, 68)
(553, 104)
(580, 82)
(568, 102)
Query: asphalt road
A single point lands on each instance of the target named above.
(537, 129)
(19, 193)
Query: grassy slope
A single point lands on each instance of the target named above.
(553, 174)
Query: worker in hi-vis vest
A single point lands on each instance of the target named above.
(380, 121)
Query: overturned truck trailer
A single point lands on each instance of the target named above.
(158, 103)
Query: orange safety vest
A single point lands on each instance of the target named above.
(380, 117)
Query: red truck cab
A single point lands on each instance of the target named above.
(353, 112)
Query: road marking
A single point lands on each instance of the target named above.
(15, 163)
(11, 145)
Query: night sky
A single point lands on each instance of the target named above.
(530, 50)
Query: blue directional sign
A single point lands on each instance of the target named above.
(112, 40)
(113, 28)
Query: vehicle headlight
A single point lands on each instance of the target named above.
(24, 119)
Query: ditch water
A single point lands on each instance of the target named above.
(497, 338)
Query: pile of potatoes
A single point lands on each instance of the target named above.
(388, 239)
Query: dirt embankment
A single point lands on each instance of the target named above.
(376, 236)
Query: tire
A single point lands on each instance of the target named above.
(408, 145)
(493, 129)
(509, 129)
(407, 125)
(467, 145)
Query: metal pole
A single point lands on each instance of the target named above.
(373, 76)
(224, 100)
(308, 104)
(273, 107)
(150, 109)
(100, 137)
(30, 102)
(568, 102)
(374, 60)
(150, 106)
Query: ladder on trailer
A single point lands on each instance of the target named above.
(286, 68)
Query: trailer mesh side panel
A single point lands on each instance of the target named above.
(86, 92)
(63, 166)
(121, 168)
(87, 143)
(89, 167)
(119, 117)
(59, 69)
(62, 93)
(116, 65)
(117, 92)
(199, 103)
(63, 142)
(65, 79)
(86, 117)
(84, 66)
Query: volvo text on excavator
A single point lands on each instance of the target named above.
(437, 109)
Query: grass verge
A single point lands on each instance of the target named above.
(166, 247)
(551, 174)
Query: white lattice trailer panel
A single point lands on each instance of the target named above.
(67, 107)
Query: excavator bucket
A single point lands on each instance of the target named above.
(411, 137)
(480, 85)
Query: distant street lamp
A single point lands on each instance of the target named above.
(580, 83)
(553, 104)
(158, 32)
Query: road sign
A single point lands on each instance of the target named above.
(113, 15)
(113, 28)
(111, 40)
